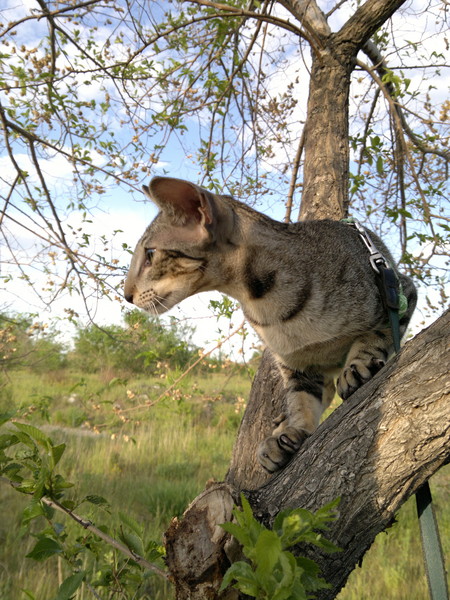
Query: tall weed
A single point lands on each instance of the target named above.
(151, 459)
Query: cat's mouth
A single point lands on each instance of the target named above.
(154, 303)
(159, 305)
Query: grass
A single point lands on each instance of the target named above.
(151, 461)
(393, 568)
(147, 461)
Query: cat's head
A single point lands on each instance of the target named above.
(177, 255)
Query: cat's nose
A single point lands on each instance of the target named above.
(129, 298)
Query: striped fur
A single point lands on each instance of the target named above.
(307, 288)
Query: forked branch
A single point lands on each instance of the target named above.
(373, 452)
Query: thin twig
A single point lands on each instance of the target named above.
(292, 185)
(399, 124)
(86, 524)
(183, 375)
(239, 12)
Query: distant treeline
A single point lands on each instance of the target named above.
(141, 344)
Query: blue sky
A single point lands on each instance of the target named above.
(126, 209)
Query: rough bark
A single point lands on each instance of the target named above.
(325, 173)
(373, 452)
(388, 438)
(324, 195)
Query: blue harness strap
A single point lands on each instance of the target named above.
(396, 304)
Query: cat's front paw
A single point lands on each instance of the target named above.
(277, 450)
(357, 374)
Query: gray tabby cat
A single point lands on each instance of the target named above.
(307, 289)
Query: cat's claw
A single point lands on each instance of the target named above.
(277, 450)
(356, 375)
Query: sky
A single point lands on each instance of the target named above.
(127, 214)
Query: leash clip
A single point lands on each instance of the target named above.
(376, 259)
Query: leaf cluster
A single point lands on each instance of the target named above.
(272, 571)
(28, 460)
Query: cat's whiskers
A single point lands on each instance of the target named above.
(307, 288)
(159, 299)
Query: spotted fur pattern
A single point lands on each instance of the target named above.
(307, 289)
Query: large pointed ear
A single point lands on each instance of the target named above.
(185, 202)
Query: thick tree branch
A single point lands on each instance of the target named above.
(373, 452)
(365, 21)
(311, 17)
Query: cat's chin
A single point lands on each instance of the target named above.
(160, 306)
(155, 311)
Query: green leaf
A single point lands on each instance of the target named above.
(59, 483)
(7, 440)
(267, 552)
(134, 542)
(131, 524)
(44, 548)
(12, 471)
(97, 500)
(24, 438)
(69, 586)
(310, 578)
(380, 168)
(245, 578)
(27, 486)
(57, 452)
(154, 551)
(289, 571)
(329, 510)
(238, 532)
(246, 519)
(5, 417)
(31, 511)
(34, 433)
(322, 542)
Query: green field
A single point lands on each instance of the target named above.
(149, 461)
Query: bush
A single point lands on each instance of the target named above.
(25, 342)
(144, 344)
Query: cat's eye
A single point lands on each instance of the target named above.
(149, 252)
(178, 254)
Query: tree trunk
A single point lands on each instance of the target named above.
(373, 452)
(389, 437)
(325, 173)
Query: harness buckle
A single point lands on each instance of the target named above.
(376, 259)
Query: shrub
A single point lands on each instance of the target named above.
(142, 345)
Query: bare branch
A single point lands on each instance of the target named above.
(368, 17)
(89, 526)
(186, 372)
(247, 13)
(293, 184)
(381, 67)
(398, 122)
(54, 13)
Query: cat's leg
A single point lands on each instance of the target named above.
(366, 357)
(370, 351)
(308, 395)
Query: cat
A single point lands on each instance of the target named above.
(307, 289)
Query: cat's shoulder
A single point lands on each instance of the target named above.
(323, 228)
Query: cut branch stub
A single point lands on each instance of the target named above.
(195, 545)
(373, 452)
